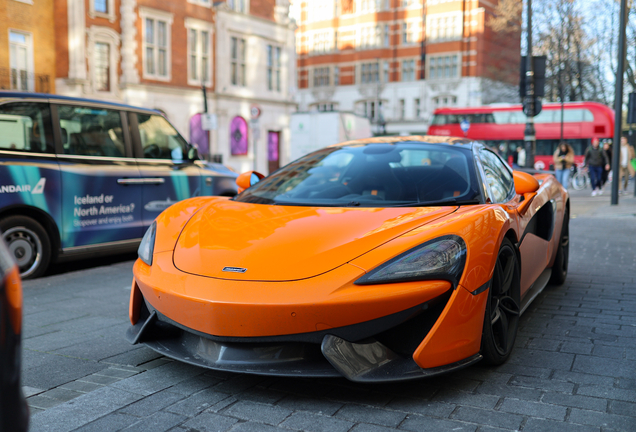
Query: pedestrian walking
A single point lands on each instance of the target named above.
(563, 161)
(521, 156)
(607, 146)
(626, 168)
(595, 160)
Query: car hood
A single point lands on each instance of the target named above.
(283, 243)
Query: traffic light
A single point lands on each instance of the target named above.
(631, 108)
(538, 67)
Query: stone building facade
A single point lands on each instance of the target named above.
(396, 61)
(161, 55)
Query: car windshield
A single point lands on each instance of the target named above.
(372, 175)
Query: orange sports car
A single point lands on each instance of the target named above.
(382, 259)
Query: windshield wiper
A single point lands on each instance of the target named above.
(444, 202)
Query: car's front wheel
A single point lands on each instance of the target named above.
(560, 267)
(28, 243)
(502, 310)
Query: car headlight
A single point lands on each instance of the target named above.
(147, 245)
(442, 258)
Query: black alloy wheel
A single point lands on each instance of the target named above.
(502, 309)
(560, 267)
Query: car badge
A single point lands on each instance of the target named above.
(234, 269)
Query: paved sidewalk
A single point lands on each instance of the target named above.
(573, 367)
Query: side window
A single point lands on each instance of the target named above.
(26, 126)
(91, 131)
(159, 139)
(497, 175)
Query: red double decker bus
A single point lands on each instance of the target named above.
(502, 127)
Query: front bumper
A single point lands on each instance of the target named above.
(379, 350)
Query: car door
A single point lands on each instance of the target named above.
(533, 245)
(101, 194)
(166, 173)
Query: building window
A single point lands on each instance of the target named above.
(199, 55)
(410, 33)
(402, 109)
(273, 68)
(102, 66)
(443, 28)
(385, 72)
(102, 9)
(369, 73)
(320, 10)
(101, 6)
(156, 44)
(321, 42)
(416, 105)
(386, 35)
(238, 5)
(327, 107)
(21, 61)
(336, 75)
(369, 109)
(321, 77)
(442, 67)
(408, 70)
(335, 40)
(237, 63)
(370, 36)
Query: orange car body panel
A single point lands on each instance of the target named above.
(457, 333)
(249, 309)
(278, 243)
(13, 288)
(303, 261)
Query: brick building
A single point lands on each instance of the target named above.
(159, 54)
(27, 50)
(395, 61)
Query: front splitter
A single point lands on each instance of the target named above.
(368, 361)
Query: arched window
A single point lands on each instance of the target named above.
(238, 136)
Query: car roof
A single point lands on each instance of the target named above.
(59, 98)
(429, 139)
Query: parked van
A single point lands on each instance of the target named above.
(82, 177)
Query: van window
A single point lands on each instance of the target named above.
(26, 127)
(159, 139)
(91, 131)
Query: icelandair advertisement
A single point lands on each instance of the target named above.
(91, 203)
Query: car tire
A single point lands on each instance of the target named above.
(560, 267)
(502, 309)
(28, 243)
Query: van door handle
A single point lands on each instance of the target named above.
(154, 180)
(130, 181)
(140, 181)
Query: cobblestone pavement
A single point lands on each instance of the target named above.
(573, 368)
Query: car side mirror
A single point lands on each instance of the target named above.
(524, 183)
(527, 186)
(247, 179)
(193, 153)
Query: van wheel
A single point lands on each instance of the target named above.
(28, 243)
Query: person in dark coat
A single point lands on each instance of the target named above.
(595, 160)
(607, 146)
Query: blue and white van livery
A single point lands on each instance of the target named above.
(83, 178)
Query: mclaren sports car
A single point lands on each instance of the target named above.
(382, 259)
